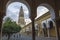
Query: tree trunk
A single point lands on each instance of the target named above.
(8, 37)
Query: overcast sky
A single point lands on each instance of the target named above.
(14, 8)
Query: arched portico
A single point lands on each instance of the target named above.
(36, 3)
(33, 6)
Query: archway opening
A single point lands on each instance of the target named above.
(36, 29)
(51, 24)
(16, 11)
(46, 13)
(42, 15)
(44, 24)
(41, 10)
(52, 29)
(45, 29)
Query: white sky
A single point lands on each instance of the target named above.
(14, 8)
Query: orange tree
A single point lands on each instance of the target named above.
(10, 27)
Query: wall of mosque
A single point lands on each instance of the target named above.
(50, 31)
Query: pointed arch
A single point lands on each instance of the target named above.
(22, 1)
(50, 24)
(51, 10)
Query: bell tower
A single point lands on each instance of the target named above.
(21, 21)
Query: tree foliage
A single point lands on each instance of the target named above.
(10, 27)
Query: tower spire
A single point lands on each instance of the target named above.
(21, 13)
(21, 21)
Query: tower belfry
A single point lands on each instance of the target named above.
(21, 21)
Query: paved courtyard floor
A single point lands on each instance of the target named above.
(26, 37)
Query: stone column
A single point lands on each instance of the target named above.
(1, 27)
(1, 20)
(32, 17)
(38, 29)
(43, 32)
(33, 30)
(48, 32)
(57, 19)
(38, 32)
(57, 29)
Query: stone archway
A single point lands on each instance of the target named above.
(8, 3)
(52, 2)
(51, 24)
(45, 29)
(52, 32)
(51, 10)
(22, 1)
